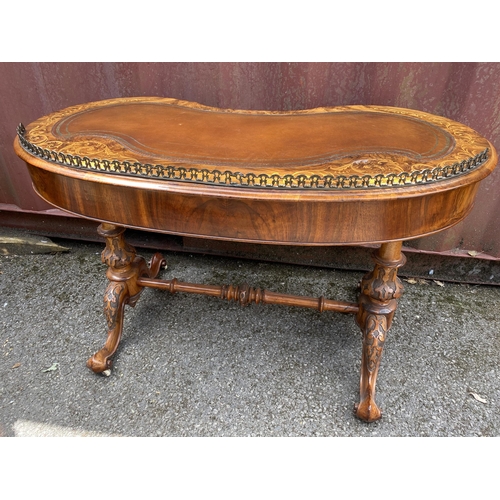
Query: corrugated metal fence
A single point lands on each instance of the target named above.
(466, 92)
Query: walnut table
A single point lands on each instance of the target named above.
(327, 176)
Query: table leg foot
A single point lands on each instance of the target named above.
(124, 268)
(380, 290)
(374, 332)
(115, 298)
(156, 264)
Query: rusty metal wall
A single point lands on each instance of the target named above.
(466, 92)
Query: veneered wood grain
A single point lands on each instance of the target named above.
(277, 220)
(252, 214)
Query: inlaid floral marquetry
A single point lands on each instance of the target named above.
(324, 148)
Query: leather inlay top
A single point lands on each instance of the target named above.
(348, 146)
(180, 134)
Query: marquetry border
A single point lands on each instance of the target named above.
(238, 179)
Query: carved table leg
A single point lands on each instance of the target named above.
(380, 290)
(124, 267)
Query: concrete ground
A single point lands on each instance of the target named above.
(190, 365)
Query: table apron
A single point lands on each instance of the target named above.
(271, 221)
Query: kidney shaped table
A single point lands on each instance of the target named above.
(326, 176)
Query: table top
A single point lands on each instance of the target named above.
(325, 176)
(324, 148)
